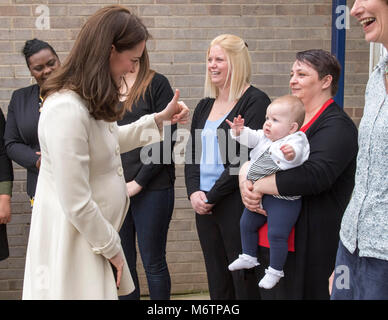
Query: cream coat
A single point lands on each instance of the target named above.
(80, 202)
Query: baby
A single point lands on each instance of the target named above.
(278, 146)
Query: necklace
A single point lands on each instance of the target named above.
(40, 102)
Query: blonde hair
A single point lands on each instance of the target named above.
(296, 106)
(239, 66)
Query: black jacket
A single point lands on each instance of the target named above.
(21, 132)
(159, 175)
(6, 174)
(252, 106)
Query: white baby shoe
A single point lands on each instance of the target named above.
(271, 278)
(244, 261)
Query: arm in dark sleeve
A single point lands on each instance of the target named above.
(192, 160)
(161, 94)
(16, 148)
(254, 118)
(6, 172)
(332, 147)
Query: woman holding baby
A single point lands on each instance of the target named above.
(325, 181)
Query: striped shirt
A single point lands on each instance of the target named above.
(265, 166)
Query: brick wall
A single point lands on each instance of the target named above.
(182, 30)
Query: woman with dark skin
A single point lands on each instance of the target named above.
(21, 130)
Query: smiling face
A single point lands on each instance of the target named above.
(42, 64)
(125, 61)
(373, 16)
(278, 121)
(217, 64)
(305, 82)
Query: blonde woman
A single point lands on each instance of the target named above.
(212, 184)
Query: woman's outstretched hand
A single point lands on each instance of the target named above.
(175, 112)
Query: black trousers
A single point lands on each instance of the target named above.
(4, 252)
(219, 236)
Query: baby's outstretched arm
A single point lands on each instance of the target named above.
(288, 152)
(237, 125)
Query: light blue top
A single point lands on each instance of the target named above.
(365, 221)
(211, 166)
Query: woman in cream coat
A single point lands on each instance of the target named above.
(81, 198)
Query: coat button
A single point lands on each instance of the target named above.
(111, 127)
(278, 161)
(120, 171)
(117, 151)
(97, 250)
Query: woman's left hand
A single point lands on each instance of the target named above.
(175, 112)
(133, 188)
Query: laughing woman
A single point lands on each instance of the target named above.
(363, 246)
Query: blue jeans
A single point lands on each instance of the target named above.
(359, 278)
(149, 216)
(282, 215)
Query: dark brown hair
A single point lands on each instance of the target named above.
(87, 68)
(324, 63)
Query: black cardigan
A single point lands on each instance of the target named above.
(152, 176)
(326, 182)
(252, 106)
(21, 132)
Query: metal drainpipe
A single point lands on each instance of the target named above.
(339, 24)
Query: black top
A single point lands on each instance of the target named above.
(325, 181)
(252, 106)
(21, 132)
(6, 174)
(154, 175)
